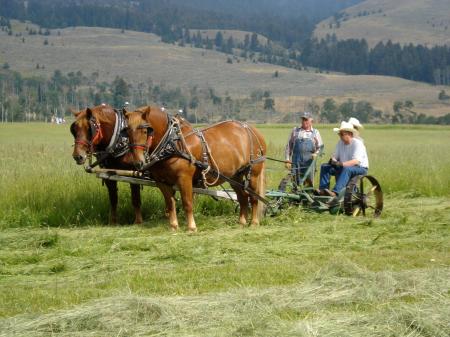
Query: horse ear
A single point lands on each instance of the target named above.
(74, 112)
(146, 112)
(88, 113)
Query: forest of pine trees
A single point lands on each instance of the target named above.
(417, 63)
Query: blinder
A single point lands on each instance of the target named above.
(146, 126)
(149, 140)
(72, 130)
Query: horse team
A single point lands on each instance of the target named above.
(174, 154)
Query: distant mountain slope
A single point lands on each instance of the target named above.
(289, 22)
(425, 22)
(138, 57)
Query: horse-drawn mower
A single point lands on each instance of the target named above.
(102, 133)
(361, 196)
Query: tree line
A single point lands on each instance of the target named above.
(402, 112)
(24, 99)
(412, 62)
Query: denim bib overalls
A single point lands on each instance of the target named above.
(302, 158)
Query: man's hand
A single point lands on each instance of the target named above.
(288, 165)
(336, 163)
(314, 156)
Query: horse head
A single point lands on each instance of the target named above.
(81, 132)
(140, 134)
(87, 133)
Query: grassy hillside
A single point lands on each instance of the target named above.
(139, 56)
(425, 22)
(65, 272)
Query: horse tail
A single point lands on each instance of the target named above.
(261, 190)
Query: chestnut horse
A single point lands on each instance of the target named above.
(173, 153)
(93, 130)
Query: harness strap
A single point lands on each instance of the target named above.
(232, 182)
(167, 147)
(82, 142)
(98, 136)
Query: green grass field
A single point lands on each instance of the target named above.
(65, 272)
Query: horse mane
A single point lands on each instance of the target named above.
(184, 123)
(101, 112)
(158, 113)
(104, 113)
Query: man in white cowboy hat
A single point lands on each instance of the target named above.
(349, 159)
(302, 147)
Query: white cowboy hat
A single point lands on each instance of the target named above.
(346, 126)
(355, 123)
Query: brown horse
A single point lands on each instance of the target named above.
(93, 130)
(175, 154)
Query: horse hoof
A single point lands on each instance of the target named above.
(192, 230)
(254, 225)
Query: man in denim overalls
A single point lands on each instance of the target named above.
(303, 145)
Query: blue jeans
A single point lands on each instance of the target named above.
(343, 176)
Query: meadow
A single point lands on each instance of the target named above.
(65, 272)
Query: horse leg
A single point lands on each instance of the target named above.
(186, 192)
(258, 184)
(171, 210)
(136, 201)
(112, 191)
(242, 197)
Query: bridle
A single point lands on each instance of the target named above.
(95, 133)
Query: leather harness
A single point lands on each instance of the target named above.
(169, 147)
